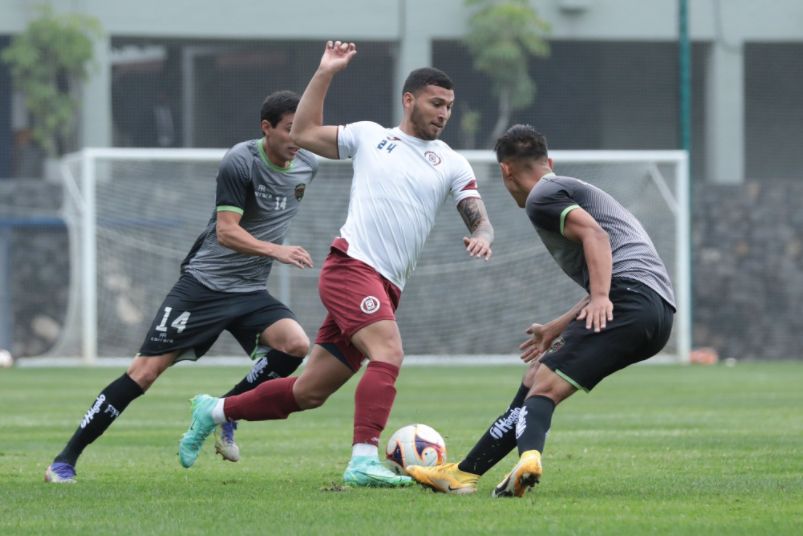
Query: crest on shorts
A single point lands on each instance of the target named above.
(433, 157)
(557, 344)
(300, 191)
(369, 305)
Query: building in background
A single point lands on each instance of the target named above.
(611, 81)
(190, 74)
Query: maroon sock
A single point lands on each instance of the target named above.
(373, 401)
(268, 401)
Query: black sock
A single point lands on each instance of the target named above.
(534, 422)
(497, 441)
(274, 364)
(109, 404)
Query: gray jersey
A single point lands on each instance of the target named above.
(267, 197)
(634, 255)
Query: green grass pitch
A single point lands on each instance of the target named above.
(654, 450)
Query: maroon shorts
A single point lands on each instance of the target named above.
(355, 295)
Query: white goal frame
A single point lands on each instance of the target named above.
(81, 191)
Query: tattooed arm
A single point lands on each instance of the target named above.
(473, 212)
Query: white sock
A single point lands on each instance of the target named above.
(364, 449)
(217, 412)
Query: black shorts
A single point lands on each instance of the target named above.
(641, 325)
(192, 317)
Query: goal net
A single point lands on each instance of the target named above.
(134, 213)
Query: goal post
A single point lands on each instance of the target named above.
(134, 213)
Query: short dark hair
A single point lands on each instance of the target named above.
(276, 105)
(426, 76)
(521, 142)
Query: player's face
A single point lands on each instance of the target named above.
(429, 111)
(280, 148)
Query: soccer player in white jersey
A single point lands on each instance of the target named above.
(260, 185)
(626, 316)
(402, 176)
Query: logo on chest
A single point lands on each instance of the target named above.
(433, 158)
(299, 191)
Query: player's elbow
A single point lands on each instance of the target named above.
(599, 236)
(224, 236)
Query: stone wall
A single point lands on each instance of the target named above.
(747, 268)
(38, 264)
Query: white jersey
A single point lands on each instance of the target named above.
(399, 184)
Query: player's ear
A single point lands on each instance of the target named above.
(407, 99)
(504, 167)
(265, 126)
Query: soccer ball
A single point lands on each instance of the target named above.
(6, 360)
(415, 444)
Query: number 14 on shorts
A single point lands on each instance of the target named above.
(179, 324)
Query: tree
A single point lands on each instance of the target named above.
(48, 60)
(502, 36)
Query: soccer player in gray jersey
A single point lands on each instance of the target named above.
(626, 316)
(260, 184)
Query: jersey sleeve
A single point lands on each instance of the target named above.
(316, 165)
(311, 160)
(549, 205)
(233, 183)
(464, 181)
(350, 136)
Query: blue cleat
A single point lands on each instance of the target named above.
(368, 471)
(60, 473)
(202, 425)
(224, 441)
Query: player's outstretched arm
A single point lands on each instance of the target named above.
(541, 336)
(231, 235)
(308, 130)
(473, 212)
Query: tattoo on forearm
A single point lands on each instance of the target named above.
(471, 213)
(472, 210)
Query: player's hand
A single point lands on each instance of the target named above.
(337, 55)
(478, 246)
(597, 313)
(540, 340)
(293, 255)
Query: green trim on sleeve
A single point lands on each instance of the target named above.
(230, 208)
(264, 157)
(564, 214)
(571, 381)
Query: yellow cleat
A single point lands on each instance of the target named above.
(525, 475)
(446, 478)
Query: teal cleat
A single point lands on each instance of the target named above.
(368, 471)
(202, 425)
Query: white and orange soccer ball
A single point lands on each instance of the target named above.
(415, 444)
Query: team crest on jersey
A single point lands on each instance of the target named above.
(300, 191)
(369, 305)
(433, 158)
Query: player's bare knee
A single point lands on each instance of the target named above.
(392, 355)
(144, 370)
(296, 346)
(310, 400)
(144, 376)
